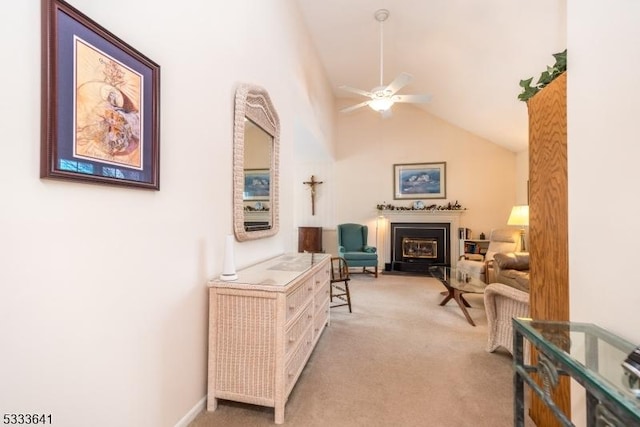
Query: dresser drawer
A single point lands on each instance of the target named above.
(321, 277)
(296, 361)
(321, 318)
(296, 331)
(298, 298)
(321, 296)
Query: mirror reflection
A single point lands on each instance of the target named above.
(257, 177)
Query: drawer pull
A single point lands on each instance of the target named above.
(292, 339)
(292, 307)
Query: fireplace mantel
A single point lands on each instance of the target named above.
(385, 217)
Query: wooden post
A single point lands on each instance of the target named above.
(548, 223)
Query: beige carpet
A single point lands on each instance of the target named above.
(398, 360)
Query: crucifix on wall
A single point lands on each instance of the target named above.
(312, 184)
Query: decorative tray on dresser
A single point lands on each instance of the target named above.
(264, 326)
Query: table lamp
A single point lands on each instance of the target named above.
(520, 217)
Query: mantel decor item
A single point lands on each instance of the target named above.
(100, 104)
(420, 181)
(420, 206)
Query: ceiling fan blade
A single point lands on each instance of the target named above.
(417, 99)
(398, 83)
(358, 91)
(354, 107)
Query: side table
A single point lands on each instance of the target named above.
(587, 353)
(457, 283)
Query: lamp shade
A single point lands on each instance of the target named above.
(519, 215)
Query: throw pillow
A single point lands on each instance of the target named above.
(512, 260)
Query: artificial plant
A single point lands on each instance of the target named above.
(545, 78)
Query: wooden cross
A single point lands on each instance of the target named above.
(312, 183)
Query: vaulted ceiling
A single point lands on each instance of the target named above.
(468, 54)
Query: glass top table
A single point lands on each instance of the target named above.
(592, 356)
(457, 283)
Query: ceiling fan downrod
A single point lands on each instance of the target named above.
(381, 15)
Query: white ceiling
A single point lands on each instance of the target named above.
(468, 54)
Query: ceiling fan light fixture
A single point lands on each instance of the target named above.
(380, 104)
(384, 96)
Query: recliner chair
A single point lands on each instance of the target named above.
(501, 240)
(352, 246)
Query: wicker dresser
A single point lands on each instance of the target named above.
(264, 326)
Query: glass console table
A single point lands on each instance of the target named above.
(588, 354)
(457, 283)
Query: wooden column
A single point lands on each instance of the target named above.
(548, 221)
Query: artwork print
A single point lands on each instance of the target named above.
(420, 181)
(107, 109)
(257, 183)
(100, 104)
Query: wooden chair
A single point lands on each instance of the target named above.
(339, 288)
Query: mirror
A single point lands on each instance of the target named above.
(256, 145)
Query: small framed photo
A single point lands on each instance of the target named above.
(420, 181)
(100, 104)
(257, 183)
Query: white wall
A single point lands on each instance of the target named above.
(103, 300)
(522, 178)
(480, 174)
(603, 151)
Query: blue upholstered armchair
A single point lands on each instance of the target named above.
(352, 246)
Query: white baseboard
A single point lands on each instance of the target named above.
(193, 413)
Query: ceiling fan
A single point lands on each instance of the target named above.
(383, 97)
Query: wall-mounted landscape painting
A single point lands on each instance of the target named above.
(420, 181)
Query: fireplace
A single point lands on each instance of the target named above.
(449, 219)
(417, 246)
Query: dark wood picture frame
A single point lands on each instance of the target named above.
(100, 118)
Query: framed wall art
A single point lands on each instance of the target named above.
(420, 181)
(257, 183)
(100, 104)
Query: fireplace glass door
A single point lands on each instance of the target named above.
(419, 248)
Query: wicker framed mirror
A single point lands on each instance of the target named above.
(255, 164)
